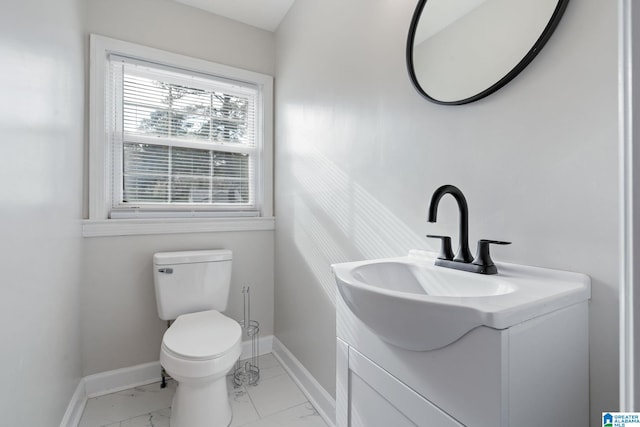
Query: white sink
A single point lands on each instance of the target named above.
(413, 304)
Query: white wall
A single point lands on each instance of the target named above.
(120, 325)
(359, 153)
(41, 149)
(178, 28)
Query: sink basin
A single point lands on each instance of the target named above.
(413, 304)
(409, 277)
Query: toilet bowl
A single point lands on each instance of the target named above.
(202, 344)
(198, 350)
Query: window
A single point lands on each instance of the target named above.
(176, 137)
(181, 140)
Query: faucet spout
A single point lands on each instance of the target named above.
(464, 254)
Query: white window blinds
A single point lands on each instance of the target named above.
(182, 141)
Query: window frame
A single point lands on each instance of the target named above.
(100, 148)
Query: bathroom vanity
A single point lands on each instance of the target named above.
(518, 357)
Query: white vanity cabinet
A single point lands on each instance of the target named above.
(376, 398)
(529, 375)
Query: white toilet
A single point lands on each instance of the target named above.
(202, 344)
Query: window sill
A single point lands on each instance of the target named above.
(135, 227)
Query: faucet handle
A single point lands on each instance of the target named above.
(445, 250)
(483, 257)
(493, 242)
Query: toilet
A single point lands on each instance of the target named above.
(202, 344)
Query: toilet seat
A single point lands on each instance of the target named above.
(201, 336)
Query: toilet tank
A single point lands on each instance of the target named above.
(191, 281)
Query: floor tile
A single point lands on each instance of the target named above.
(275, 402)
(270, 367)
(262, 422)
(127, 404)
(154, 419)
(299, 416)
(275, 394)
(303, 415)
(241, 406)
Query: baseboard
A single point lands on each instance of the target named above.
(122, 379)
(317, 395)
(76, 406)
(147, 373)
(265, 345)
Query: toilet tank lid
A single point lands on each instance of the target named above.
(187, 257)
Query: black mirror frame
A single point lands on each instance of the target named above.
(538, 45)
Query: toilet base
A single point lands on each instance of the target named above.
(201, 404)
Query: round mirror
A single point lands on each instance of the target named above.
(459, 51)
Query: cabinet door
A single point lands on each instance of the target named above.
(377, 399)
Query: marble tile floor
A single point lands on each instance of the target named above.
(275, 402)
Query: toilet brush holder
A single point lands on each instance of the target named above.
(248, 371)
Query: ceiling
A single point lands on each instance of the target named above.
(265, 14)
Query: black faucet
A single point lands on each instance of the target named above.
(463, 260)
(464, 254)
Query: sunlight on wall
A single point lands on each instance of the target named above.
(337, 220)
(317, 247)
(358, 218)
